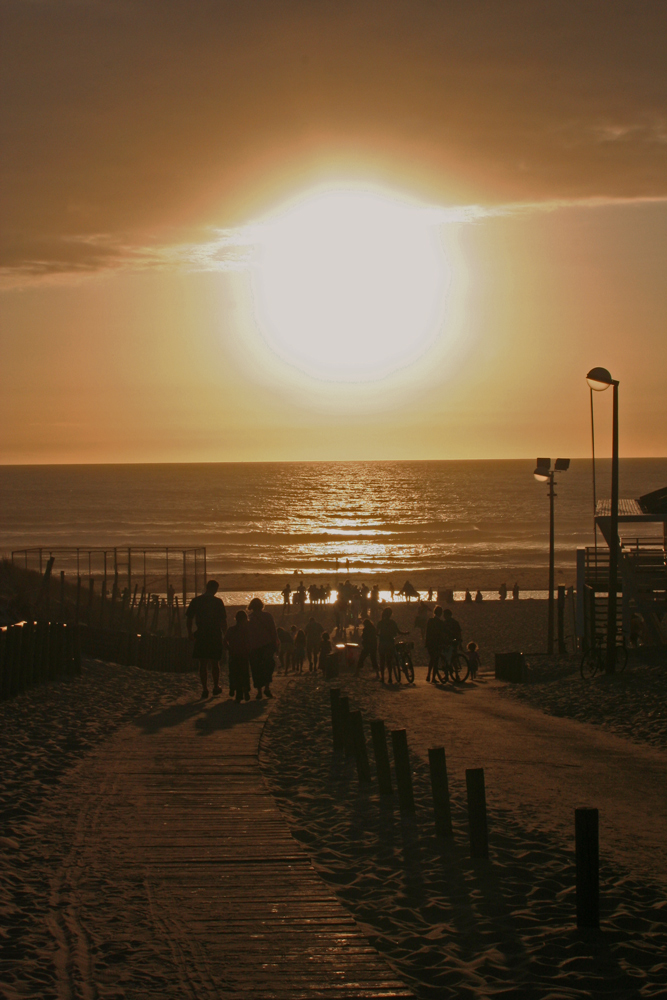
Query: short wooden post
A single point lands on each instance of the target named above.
(440, 787)
(479, 839)
(344, 717)
(406, 800)
(359, 745)
(588, 873)
(336, 731)
(382, 767)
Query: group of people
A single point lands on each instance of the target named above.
(254, 641)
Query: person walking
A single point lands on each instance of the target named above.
(263, 646)
(208, 613)
(452, 637)
(369, 646)
(299, 654)
(515, 592)
(238, 644)
(313, 632)
(434, 642)
(474, 661)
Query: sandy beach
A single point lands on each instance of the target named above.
(447, 926)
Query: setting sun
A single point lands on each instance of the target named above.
(350, 285)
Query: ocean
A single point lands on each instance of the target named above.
(399, 518)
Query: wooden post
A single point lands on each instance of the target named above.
(344, 717)
(91, 588)
(103, 601)
(77, 609)
(185, 580)
(359, 744)
(134, 598)
(479, 840)
(129, 568)
(562, 649)
(379, 738)
(399, 740)
(62, 595)
(440, 788)
(588, 873)
(336, 730)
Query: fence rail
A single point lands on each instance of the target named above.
(171, 654)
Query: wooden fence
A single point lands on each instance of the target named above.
(166, 653)
(33, 653)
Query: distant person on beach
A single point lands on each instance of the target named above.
(430, 593)
(434, 641)
(287, 590)
(452, 636)
(468, 597)
(479, 596)
(326, 649)
(263, 646)
(299, 654)
(369, 646)
(238, 643)
(515, 592)
(473, 659)
(313, 631)
(387, 630)
(208, 613)
(391, 589)
(285, 648)
(502, 591)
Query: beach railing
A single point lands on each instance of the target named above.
(33, 653)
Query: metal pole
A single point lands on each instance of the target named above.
(550, 627)
(595, 497)
(185, 580)
(613, 541)
(129, 568)
(166, 554)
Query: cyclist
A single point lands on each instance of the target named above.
(451, 638)
(387, 630)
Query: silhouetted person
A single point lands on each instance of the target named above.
(208, 613)
(434, 641)
(473, 659)
(430, 593)
(287, 590)
(299, 654)
(468, 597)
(285, 648)
(452, 636)
(238, 643)
(391, 589)
(515, 592)
(479, 597)
(263, 646)
(502, 591)
(369, 646)
(313, 632)
(387, 630)
(326, 649)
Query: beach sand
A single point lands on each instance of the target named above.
(449, 926)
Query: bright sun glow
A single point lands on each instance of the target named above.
(350, 285)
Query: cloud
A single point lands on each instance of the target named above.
(128, 125)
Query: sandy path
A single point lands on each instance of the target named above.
(539, 767)
(160, 867)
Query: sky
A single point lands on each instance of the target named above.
(321, 229)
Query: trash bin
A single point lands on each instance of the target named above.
(511, 667)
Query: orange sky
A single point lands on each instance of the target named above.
(133, 132)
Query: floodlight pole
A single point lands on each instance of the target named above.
(613, 539)
(550, 625)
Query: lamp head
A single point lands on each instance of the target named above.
(541, 475)
(562, 464)
(599, 379)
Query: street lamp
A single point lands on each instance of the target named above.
(545, 474)
(599, 379)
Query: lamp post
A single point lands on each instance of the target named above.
(599, 379)
(545, 474)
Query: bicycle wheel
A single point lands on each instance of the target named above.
(397, 668)
(589, 664)
(621, 658)
(408, 669)
(460, 668)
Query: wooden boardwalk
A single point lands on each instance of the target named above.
(183, 879)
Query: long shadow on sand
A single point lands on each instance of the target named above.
(209, 717)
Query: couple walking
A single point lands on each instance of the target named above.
(252, 643)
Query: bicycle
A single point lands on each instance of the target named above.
(458, 667)
(594, 659)
(403, 662)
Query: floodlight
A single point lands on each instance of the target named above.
(562, 464)
(542, 475)
(599, 379)
(544, 463)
